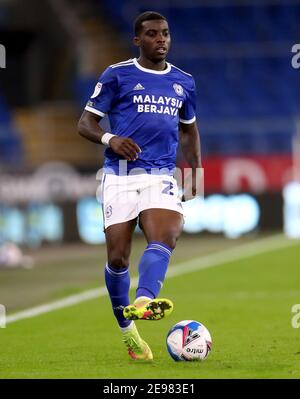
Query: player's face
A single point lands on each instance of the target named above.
(154, 40)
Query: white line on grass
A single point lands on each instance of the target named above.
(203, 262)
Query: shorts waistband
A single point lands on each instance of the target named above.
(137, 171)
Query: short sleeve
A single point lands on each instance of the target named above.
(188, 111)
(105, 93)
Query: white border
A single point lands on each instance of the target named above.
(94, 111)
(168, 69)
(187, 121)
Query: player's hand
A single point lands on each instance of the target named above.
(126, 147)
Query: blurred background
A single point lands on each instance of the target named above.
(246, 63)
(248, 111)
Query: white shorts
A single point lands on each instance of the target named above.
(124, 197)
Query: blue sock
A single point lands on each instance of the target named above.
(117, 283)
(152, 269)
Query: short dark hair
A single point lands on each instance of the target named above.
(146, 16)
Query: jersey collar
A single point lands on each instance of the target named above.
(152, 70)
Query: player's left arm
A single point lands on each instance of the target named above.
(190, 146)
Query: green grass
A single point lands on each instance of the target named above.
(66, 270)
(246, 305)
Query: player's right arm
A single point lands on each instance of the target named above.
(100, 103)
(88, 127)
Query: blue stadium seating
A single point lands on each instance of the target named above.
(10, 142)
(241, 60)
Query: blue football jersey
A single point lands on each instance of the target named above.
(145, 105)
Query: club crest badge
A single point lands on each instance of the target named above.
(178, 89)
(97, 90)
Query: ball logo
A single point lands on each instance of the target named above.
(178, 89)
(189, 335)
(97, 90)
(194, 350)
(296, 57)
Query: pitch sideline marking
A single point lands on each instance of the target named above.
(243, 251)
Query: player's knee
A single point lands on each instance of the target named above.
(118, 260)
(171, 238)
(174, 235)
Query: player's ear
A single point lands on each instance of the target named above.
(136, 41)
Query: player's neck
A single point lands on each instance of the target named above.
(146, 63)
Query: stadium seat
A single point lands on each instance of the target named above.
(10, 142)
(237, 77)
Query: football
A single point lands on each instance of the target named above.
(189, 340)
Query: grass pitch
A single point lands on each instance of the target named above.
(245, 304)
